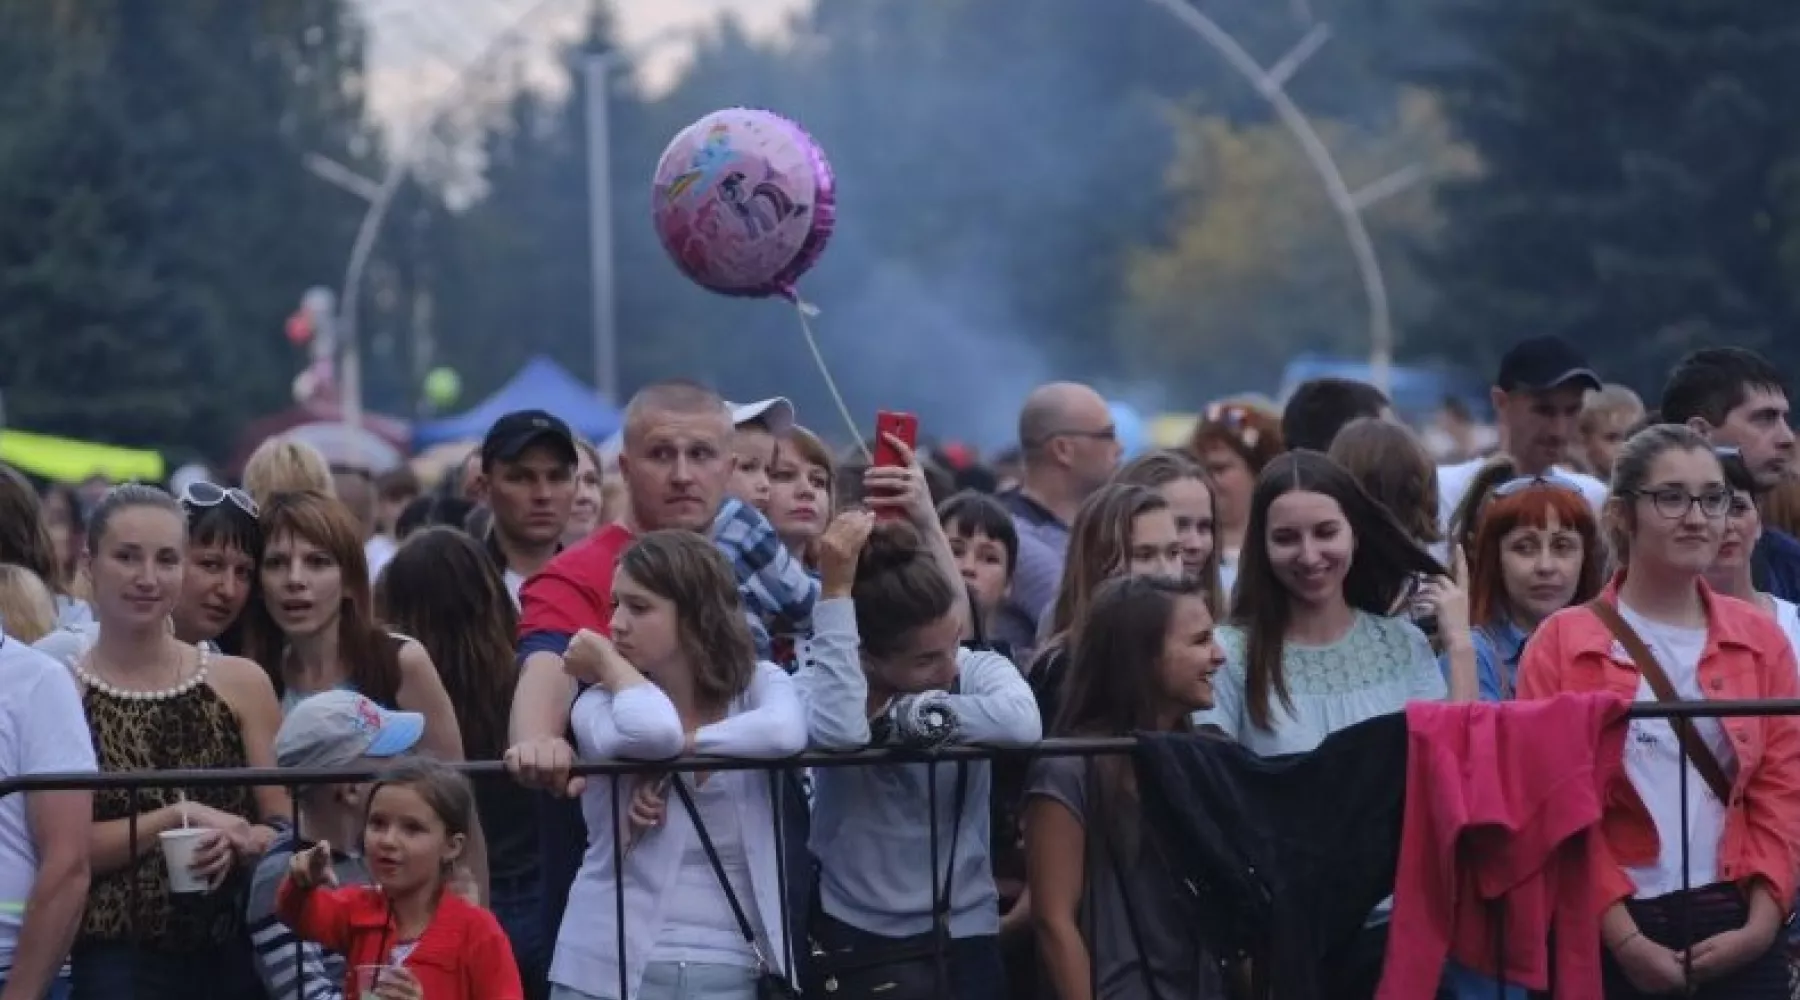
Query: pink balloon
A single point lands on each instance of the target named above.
(744, 202)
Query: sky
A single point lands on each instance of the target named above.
(419, 48)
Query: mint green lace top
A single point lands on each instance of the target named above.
(1375, 669)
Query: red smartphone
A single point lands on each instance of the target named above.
(904, 426)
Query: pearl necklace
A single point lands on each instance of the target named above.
(197, 678)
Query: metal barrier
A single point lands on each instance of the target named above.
(295, 779)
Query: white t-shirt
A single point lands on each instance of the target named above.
(1787, 616)
(43, 729)
(1454, 482)
(1653, 756)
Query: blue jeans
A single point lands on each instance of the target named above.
(123, 971)
(519, 906)
(59, 988)
(682, 981)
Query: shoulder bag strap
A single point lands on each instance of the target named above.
(718, 867)
(941, 907)
(1696, 751)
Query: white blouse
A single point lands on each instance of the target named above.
(640, 723)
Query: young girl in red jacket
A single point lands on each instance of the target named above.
(410, 936)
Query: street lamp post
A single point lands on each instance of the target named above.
(380, 197)
(596, 70)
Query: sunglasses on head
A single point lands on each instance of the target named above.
(1552, 480)
(204, 496)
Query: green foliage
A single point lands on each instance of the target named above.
(1638, 188)
(156, 222)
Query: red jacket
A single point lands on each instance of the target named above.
(1746, 658)
(1503, 808)
(463, 954)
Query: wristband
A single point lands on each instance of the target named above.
(1627, 939)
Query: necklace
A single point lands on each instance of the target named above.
(89, 678)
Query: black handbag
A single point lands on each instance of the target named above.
(911, 968)
(770, 983)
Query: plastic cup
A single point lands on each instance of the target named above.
(178, 848)
(367, 976)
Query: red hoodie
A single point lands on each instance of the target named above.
(463, 954)
(1503, 805)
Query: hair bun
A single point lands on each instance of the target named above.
(892, 545)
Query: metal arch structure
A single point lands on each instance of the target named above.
(1271, 84)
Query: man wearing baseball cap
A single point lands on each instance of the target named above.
(1537, 401)
(527, 482)
(329, 730)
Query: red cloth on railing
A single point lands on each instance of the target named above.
(1503, 805)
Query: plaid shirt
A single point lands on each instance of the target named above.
(771, 581)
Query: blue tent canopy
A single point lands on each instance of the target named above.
(541, 385)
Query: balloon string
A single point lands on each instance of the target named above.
(806, 310)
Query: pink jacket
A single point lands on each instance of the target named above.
(1746, 658)
(1503, 806)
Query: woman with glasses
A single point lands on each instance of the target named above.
(1730, 573)
(1701, 864)
(1536, 551)
(1233, 442)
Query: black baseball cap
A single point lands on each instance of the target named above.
(1546, 362)
(519, 430)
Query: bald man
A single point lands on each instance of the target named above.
(1068, 449)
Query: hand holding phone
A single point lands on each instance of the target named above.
(904, 426)
(881, 483)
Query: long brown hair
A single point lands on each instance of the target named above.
(1158, 469)
(688, 570)
(1115, 687)
(1099, 549)
(1391, 464)
(1385, 561)
(25, 533)
(371, 657)
(442, 589)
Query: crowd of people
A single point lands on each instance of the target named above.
(721, 584)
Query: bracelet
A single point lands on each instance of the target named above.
(1627, 939)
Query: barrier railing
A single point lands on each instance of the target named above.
(296, 779)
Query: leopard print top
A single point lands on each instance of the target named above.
(196, 729)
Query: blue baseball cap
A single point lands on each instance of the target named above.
(339, 728)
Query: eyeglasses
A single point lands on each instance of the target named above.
(1673, 502)
(1551, 479)
(204, 496)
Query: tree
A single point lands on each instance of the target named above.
(1257, 267)
(1631, 198)
(156, 221)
